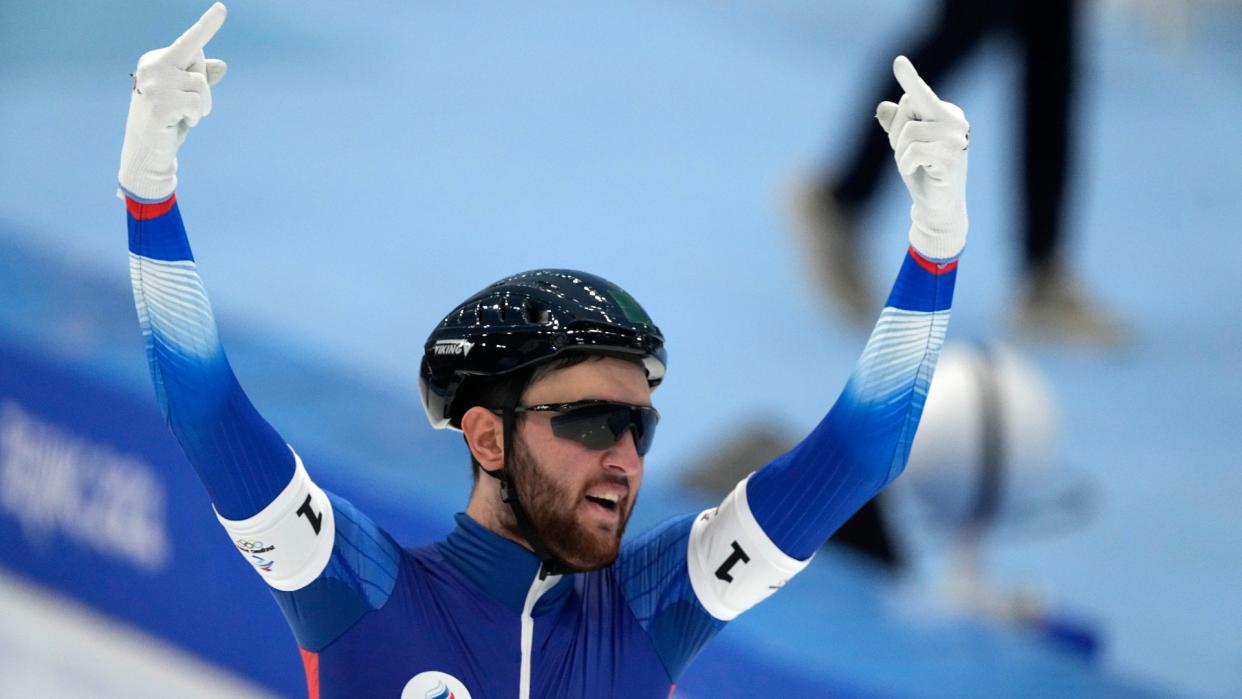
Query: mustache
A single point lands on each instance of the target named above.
(610, 480)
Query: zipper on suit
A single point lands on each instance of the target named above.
(541, 584)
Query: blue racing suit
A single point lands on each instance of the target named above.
(471, 616)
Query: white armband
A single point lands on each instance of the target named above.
(733, 563)
(290, 541)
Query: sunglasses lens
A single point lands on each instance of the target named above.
(644, 429)
(600, 426)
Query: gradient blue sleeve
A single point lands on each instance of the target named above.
(239, 457)
(241, 460)
(654, 577)
(863, 443)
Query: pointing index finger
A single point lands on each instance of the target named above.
(185, 49)
(925, 100)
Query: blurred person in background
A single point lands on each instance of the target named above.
(548, 375)
(1053, 304)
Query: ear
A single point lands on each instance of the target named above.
(484, 432)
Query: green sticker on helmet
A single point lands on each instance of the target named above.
(633, 312)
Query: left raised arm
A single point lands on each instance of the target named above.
(767, 529)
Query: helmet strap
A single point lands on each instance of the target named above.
(551, 565)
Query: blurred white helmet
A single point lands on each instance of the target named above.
(988, 449)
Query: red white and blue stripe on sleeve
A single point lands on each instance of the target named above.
(863, 443)
(240, 458)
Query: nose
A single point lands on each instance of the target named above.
(623, 456)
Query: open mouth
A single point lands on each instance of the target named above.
(608, 502)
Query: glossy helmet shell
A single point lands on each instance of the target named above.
(527, 319)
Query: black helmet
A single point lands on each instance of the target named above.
(525, 320)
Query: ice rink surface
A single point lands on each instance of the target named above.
(363, 171)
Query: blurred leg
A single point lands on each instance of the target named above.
(1055, 305)
(1048, 37)
(958, 29)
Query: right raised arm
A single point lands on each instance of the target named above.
(243, 461)
(302, 541)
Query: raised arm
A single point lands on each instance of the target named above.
(767, 529)
(294, 534)
(241, 460)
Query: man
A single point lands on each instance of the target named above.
(1054, 304)
(548, 374)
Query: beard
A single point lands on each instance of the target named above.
(555, 513)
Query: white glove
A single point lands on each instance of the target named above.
(929, 138)
(172, 91)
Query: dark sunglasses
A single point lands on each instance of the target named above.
(598, 424)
